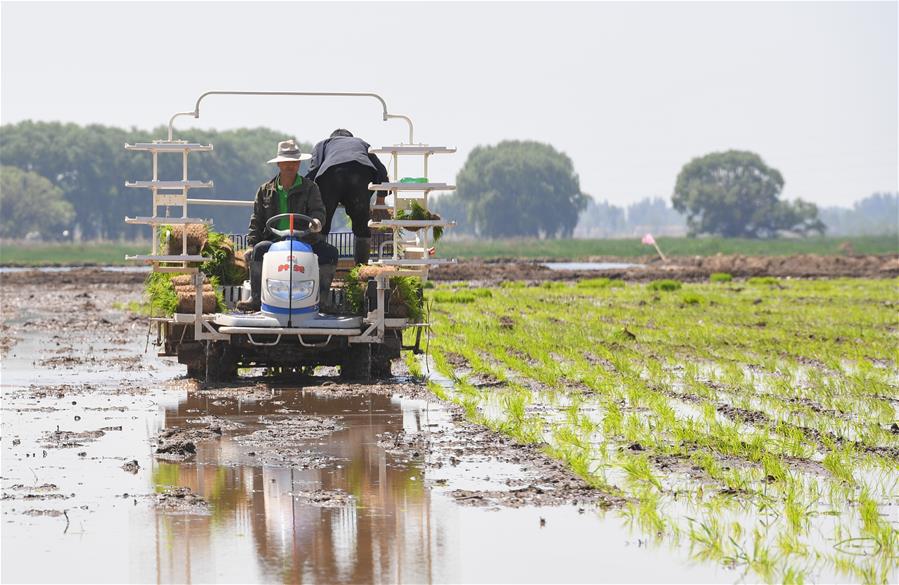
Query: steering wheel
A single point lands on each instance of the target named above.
(312, 228)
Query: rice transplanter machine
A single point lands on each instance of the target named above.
(290, 331)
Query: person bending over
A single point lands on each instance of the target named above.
(343, 168)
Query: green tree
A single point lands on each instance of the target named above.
(450, 207)
(520, 188)
(735, 194)
(90, 165)
(31, 203)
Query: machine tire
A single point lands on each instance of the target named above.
(382, 355)
(222, 363)
(219, 364)
(356, 364)
(380, 368)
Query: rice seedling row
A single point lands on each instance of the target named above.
(754, 422)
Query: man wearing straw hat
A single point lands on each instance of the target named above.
(287, 192)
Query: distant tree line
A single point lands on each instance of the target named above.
(655, 215)
(877, 214)
(63, 180)
(89, 165)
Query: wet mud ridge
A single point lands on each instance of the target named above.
(687, 269)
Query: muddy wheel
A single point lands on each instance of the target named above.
(218, 363)
(221, 363)
(356, 364)
(383, 354)
(380, 368)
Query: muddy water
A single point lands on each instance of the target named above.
(374, 497)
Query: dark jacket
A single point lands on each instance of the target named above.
(304, 198)
(343, 149)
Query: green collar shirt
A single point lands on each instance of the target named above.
(284, 224)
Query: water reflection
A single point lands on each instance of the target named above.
(383, 534)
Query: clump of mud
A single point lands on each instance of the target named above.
(66, 439)
(131, 467)
(411, 445)
(285, 441)
(179, 443)
(181, 500)
(49, 513)
(47, 491)
(297, 428)
(324, 498)
(217, 424)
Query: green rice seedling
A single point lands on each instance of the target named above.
(720, 277)
(638, 471)
(553, 284)
(763, 280)
(706, 539)
(789, 544)
(600, 283)
(795, 513)
(761, 561)
(837, 463)
(691, 298)
(793, 576)
(161, 294)
(517, 425)
(647, 513)
(470, 406)
(612, 420)
(481, 293)
(665, 284)
(412, 363)
(512, 284)
(141, 308)
(446, 296)
(438, 390)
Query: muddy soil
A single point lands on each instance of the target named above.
(684, 268)
(688, 269)
(108, 451)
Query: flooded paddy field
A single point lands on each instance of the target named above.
(116, 468)
(752, 422)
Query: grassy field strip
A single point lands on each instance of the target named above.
(609, 414)
(631, 247)
(113, 253)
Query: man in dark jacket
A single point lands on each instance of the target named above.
(288, 192)
(343, 168)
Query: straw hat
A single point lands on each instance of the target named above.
(289, 151)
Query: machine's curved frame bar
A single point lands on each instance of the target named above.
(195, 113)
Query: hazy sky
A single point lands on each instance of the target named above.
(630, 91)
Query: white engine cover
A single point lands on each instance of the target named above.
(290, 281)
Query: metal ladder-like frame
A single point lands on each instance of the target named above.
(167, 194)
(410, 255)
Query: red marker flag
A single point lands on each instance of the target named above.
(651, 241)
